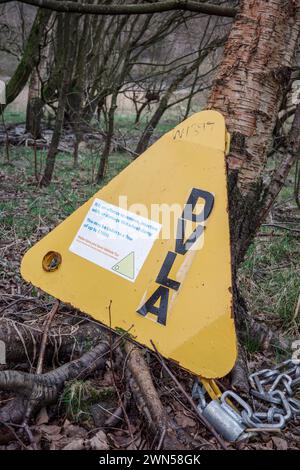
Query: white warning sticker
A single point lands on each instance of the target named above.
(115, 239)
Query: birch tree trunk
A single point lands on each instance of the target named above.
(248, 91)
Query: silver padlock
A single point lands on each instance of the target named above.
(225, 420)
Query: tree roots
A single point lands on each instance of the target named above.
(34, 391)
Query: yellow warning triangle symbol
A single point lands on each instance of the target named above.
(125, 266)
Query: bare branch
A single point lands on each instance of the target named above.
(130, 9)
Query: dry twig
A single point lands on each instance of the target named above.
(200, 417)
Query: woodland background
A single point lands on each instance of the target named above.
(86, 95)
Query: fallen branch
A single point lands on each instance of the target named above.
(40, 390)
(201, 418)
(149, 402)
(65, 342)
(34, 403)
(53, 311)
(122, 406)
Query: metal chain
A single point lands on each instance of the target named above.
(274, 401)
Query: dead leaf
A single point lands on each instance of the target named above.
(280, 444)
(184, 421)
(108, 379)
(50, 429)
(71, 430)
(77, 444)
(42, 417)
(99, 441)
(50, 432)
(269, 445)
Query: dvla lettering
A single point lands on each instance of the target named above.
(182, 246)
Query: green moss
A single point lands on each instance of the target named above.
(78, 397)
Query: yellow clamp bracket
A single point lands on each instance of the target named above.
(211, 387)
(214, 391)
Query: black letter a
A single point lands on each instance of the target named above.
(161, 311)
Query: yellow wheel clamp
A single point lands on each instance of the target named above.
(154, 243)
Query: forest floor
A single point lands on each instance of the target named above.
(269, 279)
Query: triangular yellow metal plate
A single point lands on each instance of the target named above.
(168, 279)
